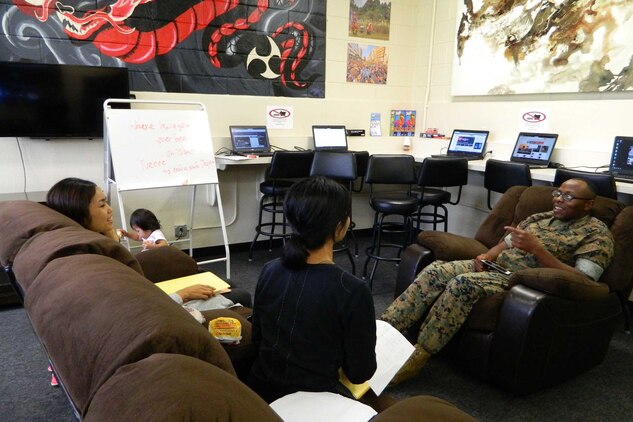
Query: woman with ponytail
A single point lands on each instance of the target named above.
(311, 317)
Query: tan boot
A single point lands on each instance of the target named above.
(411, 367)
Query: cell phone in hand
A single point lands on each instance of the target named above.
(493, 266)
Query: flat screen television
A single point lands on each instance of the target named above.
(57, 101)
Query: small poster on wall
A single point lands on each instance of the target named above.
(374, 125)
(402, 123)
(366, 64)
(370, 19)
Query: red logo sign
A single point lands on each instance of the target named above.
(534, 117)
(279, 113)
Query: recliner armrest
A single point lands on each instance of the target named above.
(560, 283)
(449, 246)
(433, 245)
(542, 339)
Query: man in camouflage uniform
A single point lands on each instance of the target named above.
(566, 238)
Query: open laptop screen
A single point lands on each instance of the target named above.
(622, 157)
(329, 138)
(249, 139)
(468, 142)
(534, 149)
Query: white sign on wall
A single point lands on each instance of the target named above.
(534, 119)
(279, 117)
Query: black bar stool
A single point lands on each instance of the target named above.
(340, 166)
(439, 173)
(500, 176)
(386, 169)
(284, 166)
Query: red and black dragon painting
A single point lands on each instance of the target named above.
(256, 47)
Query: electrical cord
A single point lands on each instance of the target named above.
(17, 140)
(224, 151)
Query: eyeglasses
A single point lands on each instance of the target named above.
(567, 197)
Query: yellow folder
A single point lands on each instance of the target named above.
(357, 390)
(208, 278)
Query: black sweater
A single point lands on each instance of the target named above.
(308, 323)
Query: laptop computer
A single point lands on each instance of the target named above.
(247, 140)
(534, 149)
(329, 138)
(469, 144)
(621, 164)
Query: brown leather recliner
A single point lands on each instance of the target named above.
(550, 325)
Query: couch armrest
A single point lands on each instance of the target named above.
(541, 339)
(432, 245)
(449, 246)
(560, 283)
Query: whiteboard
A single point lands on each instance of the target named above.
(160, 148)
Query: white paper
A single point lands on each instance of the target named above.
(307, 407)
(234, 157)
(392, 351)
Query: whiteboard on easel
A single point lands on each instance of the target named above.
(160, 148)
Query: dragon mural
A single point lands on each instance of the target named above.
(257, 47)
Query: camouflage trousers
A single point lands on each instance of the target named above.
(444, 292)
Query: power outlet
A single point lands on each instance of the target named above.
(180, 231)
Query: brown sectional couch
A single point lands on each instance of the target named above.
(122, 349)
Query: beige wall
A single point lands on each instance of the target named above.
(421, 39)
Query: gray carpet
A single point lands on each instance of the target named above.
(602, 394)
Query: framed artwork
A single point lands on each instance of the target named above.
(367, 64)
(370, 19)
(543, 46)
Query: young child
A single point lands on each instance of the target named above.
(146, 229)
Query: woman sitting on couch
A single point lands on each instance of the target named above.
(84, 202)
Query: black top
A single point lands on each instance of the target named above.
(308, 323)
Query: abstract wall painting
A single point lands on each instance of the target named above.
(543, 46)
(367, 64)
(248, 47)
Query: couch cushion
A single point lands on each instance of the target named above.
(619, 274)
(165, 263)
(46, 246)
(94, 315)
(20, 220)
(168, 387)
(502, 214)
(423, 409)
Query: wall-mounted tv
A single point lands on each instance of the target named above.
(57, 101)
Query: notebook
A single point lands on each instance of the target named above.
(621, 164)
(469, 144)
(250, 140)
(534, 149)
(329, 138)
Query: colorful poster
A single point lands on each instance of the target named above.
(370, 19)
(402, 123)
(366, 64)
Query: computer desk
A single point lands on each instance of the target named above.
(543, 175)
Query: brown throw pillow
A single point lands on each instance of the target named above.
(168, 387)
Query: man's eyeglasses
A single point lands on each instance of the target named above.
(567, 197)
